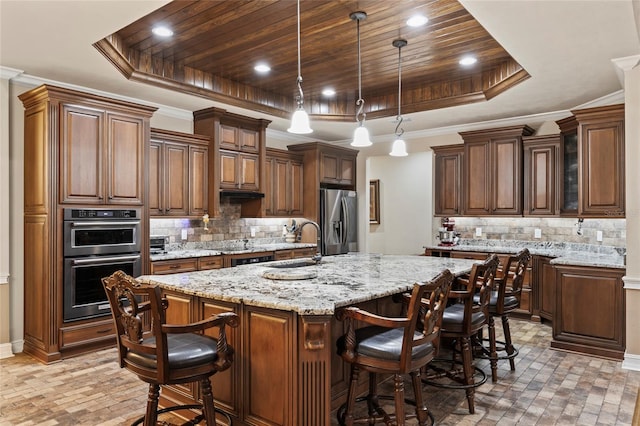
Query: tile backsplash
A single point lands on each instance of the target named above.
(551, 229)
(229, 226)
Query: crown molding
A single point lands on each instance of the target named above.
(7, 73)
(626, 63)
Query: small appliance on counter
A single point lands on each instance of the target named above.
(446, 234)
(158, 244)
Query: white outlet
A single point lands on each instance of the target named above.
(599, 235)
(184, 234)
(478, 232)
(253, 231)
(537, 233)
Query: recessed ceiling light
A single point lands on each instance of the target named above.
(262, 68)
(417, 21)
(468, 60)
(162, 31)
(329, 92)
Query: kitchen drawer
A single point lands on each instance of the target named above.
(174, 266)
(87, 333)
(295, 253)
(209, 262)
(469, 255)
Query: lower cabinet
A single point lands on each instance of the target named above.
(295, 253)
(589, 312)
(546, 287)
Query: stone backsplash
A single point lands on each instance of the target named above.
(228, 227)
(565, 230)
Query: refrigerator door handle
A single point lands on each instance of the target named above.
(345, 221)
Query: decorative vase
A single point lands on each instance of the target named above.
(290, 237)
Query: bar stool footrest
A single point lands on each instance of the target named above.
(381, 416)
(453, 375)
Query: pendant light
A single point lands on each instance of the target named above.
(300, 119)
(361, 134)
(399, 148)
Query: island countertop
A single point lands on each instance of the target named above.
(341, 281)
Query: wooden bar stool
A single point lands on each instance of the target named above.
(394, 346)
(505, 298)
(167, 354)
(461, 322)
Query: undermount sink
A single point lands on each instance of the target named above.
(299, 263)
(291, 270)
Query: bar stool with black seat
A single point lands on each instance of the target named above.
(393, 346)
(505, 298)
(461, 321)
(166, 354)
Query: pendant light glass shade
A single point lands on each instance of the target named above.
(361, 134)
(300, 122)
(300, 119)
(399, 148)
(361, 137)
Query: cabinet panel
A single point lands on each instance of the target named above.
(125, 159)
(541, 175)
(268, 345)
(448, 180)
(249, 172)
(209, 262)
(81, 155)
(284, 188)
(589, 311)
(337, 168)
(296, 188)
(198, 175)
(546, 288)
(226, 384)
(603, 169)
(506, 176)
(156, 178)
(229, 170)
(477, 179)
(176, 178)
(280, 178)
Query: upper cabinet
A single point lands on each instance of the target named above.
(541, 175)
(237, 154)
(101, 155)
(178, 164)
(492, 171)
(593, 162)
(284, 188)
(448, 180)
(325, 166)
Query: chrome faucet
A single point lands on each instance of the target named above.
(317, 257)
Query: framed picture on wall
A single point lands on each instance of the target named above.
(374, 201)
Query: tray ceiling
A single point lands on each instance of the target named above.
(217, 43)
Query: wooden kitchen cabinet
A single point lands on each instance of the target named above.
(589, 311)
(177, 174)
(337, 167)
(174, 266)
(546, 288)
(295, 253)
(284, 188)
(492, 171)
(237, 155)
(79, 148)
(541, 175)
(239, 171)
(324, 166)
(593, 162)
(448, 180)
(101, 155)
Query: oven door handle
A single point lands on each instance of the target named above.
(103, 259)
(110, 224)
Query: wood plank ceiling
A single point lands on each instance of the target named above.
(217, 43)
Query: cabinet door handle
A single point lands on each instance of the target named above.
(106, 330)
(174, 266)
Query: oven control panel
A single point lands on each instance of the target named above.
(101, 214)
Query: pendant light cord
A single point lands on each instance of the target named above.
(360, 101)
(299, 79)
(399, 118)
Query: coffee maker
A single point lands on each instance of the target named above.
(446, 233)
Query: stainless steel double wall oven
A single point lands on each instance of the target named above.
(97, 242)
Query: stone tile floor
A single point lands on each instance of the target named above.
(548, 388)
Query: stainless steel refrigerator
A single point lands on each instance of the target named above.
(338, 221)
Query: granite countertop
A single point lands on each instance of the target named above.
(563, 253)
(237, 249)
(341, 281)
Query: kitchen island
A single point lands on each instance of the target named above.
(286, 371)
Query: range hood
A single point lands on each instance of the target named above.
(229, 193)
